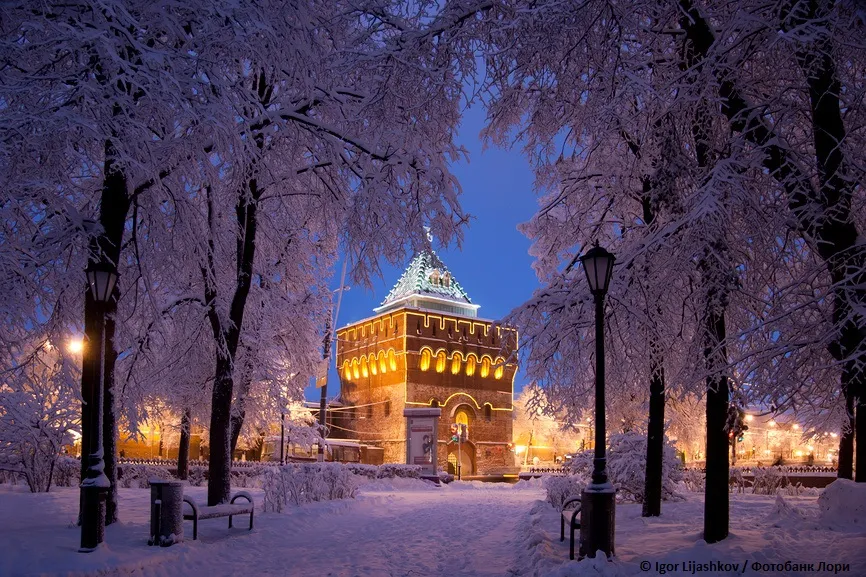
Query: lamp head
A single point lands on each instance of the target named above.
(101, 276)
(598, 266)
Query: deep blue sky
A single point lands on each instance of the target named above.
(494, 266)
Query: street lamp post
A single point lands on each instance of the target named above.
(101, 277)
(598, 499)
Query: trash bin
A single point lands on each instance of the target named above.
(166, 512)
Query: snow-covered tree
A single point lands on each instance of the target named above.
(38, 413)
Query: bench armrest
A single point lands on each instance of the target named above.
(242, 495)
(570, 501)
(191, 503)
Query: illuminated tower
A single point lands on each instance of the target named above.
(426, 347)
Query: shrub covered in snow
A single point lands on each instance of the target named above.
(361, 470)
(626, 466)
(67, 472)
(694, 480)
(391, 470)
(771, 480)
(300, 483)
(562, 488)
(38, 411)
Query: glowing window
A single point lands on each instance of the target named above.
(355, 370)
(347, 371)
(485, 366)
(364, 370)
(456, 360)
(426, 357)
(461, 417)
(382, 365)
(440, 361)
(470, 365)
(500, 368)
(392, 360)
(374, 367)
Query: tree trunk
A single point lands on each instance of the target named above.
(104, 247)
(860, 436)
(716, 505)
(652, 505)
(846, 440)
(228, 338)
(183, 449)
(219, 465)
(237, 420)
(109, 412)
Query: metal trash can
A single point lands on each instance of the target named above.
(166, 512)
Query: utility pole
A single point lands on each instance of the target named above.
(326, 354)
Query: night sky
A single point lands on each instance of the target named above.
(494, 266)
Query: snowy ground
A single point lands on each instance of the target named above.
(406, 528)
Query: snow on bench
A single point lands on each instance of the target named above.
(222, 510)
(571, 516)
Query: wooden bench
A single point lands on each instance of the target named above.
(571, 516)
(224, 510)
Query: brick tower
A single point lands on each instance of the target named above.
(427, 347)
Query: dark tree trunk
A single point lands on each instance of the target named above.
(104, 247)
(652, 505)
(716, 505)
(109, 413)
(237, 420)
(227, 339)
(183, 449)
(846, 442)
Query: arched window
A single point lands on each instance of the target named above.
(470, 365)
(441, 358)
(382, 365)
(356, 369)
(426, 357)
(364, 371)
(500, 368)
(456, 361)
(374, 367)
(485, 366)
(347, 371)
(488, 411)
(461, 417)
(434, 403)
(392, 360)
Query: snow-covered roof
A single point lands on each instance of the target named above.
(427, 283)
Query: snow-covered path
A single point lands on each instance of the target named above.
(466, 529)
(447, 531)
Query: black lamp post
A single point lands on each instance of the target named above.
(598, 499)
(101, 277)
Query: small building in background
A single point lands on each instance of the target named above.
(426, 346)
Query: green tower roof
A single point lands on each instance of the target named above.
(427, 283)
